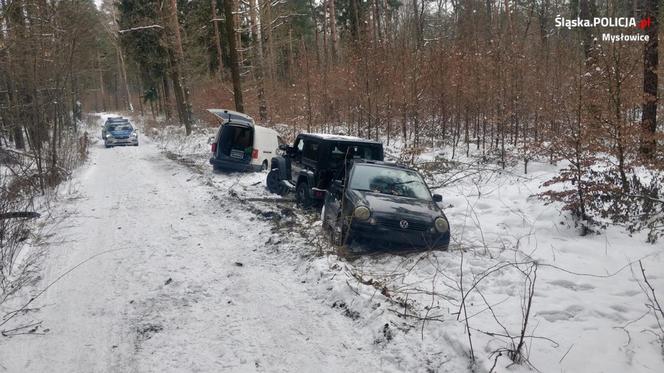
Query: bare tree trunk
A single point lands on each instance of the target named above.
(418, 24)
(650, 79)
(166, 98)
(177, 66)
(217, 40)
(270, 40)
(354, 20)
(291, 60)
(235, 63)
(258, 56)
(309, 108)
(123, 69)
(101, 83)
(333, 30)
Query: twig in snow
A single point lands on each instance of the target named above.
(568, 350)
(465, 312)
(12, 314)
(653, 304)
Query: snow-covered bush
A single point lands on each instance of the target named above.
(597, 197)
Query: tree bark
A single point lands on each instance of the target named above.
(177, 65)
(121, 62)
(217, 40)
(650, 79)
(235, 63)
(254, 9)
(333, 30)
(101, 83)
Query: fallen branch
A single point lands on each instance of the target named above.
(20, 215)
(12, 314)
(267, 199)
(139, 28)
(654, 305)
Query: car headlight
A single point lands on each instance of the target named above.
(134, 134)
(441, 225)
(361, 213)
(108, 136)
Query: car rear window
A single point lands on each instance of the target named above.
(119, 127)
(355, 151)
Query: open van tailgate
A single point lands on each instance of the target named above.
(230, 116)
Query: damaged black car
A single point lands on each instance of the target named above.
(309, 166)
(385, 202)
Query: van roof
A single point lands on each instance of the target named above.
(265, 129)
(230, 116)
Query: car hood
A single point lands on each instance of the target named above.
(385, 204)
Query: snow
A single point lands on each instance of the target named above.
(194, 272)
(180, 277)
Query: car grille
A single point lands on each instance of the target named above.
(396, 224)
(120, 137)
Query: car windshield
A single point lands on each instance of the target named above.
(387, 180)
(119, 127)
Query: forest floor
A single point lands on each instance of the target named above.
(184, 269)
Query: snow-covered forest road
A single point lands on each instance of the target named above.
(178, 281)
(157, 264)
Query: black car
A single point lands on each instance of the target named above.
(385, 202)
(309, 166)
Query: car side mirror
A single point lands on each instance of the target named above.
(210, 140)
(284, 147)
(437, 198)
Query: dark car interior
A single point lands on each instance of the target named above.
(236, 142)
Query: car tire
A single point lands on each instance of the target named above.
(303, 196)
(273, 182)
(264, 166)
(108, 146)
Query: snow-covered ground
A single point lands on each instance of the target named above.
(197, 271)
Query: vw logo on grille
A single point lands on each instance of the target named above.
(403, 224)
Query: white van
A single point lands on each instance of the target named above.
(241, 145)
